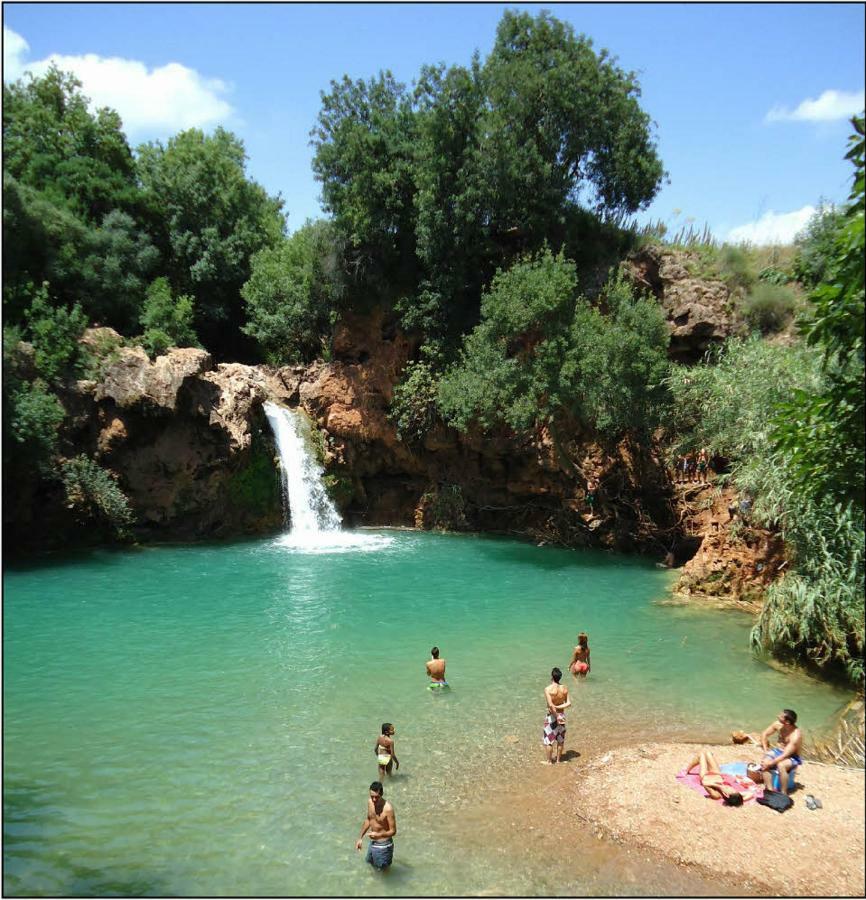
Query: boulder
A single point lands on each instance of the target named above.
(132, 381)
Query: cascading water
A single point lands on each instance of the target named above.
(315, 524)
(307, 505)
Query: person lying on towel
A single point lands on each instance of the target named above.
(713, 781)
(786, 756)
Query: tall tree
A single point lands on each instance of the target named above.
(213, 219)
(53, 143)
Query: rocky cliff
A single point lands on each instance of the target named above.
(190, 446)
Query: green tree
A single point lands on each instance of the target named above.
(823, 433)
(167, 320)
(541, 350)
(815, 245)
(54, 332)
(293, 293)
(213, 219)
(364, 158)
(54, 144)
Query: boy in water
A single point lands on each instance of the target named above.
(386, 752)
(556, 698)
(436, 670)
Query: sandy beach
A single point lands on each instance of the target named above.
(630, 795)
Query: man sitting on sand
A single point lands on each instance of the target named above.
(436, 671)
(786, 756)
(556, 698)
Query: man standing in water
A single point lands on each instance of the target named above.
(380, 826)
(556, 698)
(436, 671)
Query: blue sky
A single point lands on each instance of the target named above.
(751, 101)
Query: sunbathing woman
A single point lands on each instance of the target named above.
(713, 781)
(580, 658)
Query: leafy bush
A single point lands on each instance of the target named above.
(31, 419)
(816, 245)
(92, 491)
(54, 331)
(292, 294)
(768, 307)
(413, 406)
(541, 350)
(167, 320)
(817, 611)
(735, 266)
(773, 275)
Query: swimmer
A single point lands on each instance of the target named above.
(386, 752)
(580, 665)
(436, 671)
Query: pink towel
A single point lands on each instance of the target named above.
(693, 780)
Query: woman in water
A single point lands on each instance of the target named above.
(580, 658)
(386, 753)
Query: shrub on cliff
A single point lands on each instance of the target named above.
(541, 349)
(54, 331)
(167, 320)
(414, 404)
(768, 307)
(92, 492)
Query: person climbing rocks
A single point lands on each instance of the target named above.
(591, 493)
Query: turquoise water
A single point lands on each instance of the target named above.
(201, 719)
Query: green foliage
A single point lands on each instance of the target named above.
(167, 320)
(480, 165)
(32, 416)
(822, 431)
(255, 487)
(94, 494)
(54, 332)
(725, 403)
(735, 266)
(768, 307)
(773, 275)
(212, 220)
(76, 159)
(816, 245)
(541, 350)
(445, 507)
(413, 406)
(292, 294)
(817, 612)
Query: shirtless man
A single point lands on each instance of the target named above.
(380, 826)
(436, 670)
(556, 698)
(786, 756)
(385, 750)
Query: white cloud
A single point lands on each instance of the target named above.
(772, 228)
(155, 101)
(831, 105)
(14, 50)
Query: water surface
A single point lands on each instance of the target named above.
(201, 719)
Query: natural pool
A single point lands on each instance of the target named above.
(200, 720)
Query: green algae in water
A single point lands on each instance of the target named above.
(201, 719)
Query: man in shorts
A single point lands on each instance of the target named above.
(380, 826)
(556, 698)
(786, 756)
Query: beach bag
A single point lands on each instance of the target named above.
(775, 800)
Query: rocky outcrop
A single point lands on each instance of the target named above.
(734, 560)
(699, 311)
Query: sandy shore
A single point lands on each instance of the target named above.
(630, 794)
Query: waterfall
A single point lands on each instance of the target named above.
(309, 509)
